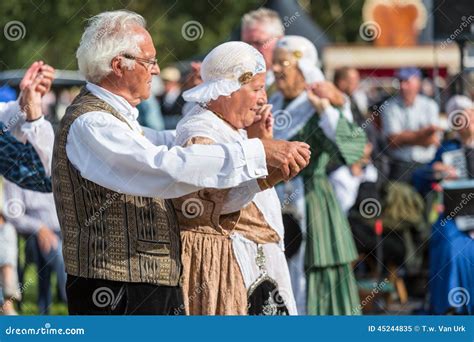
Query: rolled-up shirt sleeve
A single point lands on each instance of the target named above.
(122, 160)
(40, 135)
(10, 113)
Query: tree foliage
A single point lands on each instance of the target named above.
(53, 28)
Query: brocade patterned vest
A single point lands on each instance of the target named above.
(107, 234)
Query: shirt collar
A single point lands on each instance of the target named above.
(402, 103)
(118, 102)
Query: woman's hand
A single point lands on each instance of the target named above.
(36, 69)
(327, 90)
(319, 103)
(263, 126)
(30, 99)
(274, 177)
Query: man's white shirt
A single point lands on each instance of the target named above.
(140, 161)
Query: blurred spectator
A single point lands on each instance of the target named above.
(8, 263)
(347, 80)
(262, 28)
(171, 103)
(191, 79)
(37, 217)
(410, 123)
(149, 111)
(448, 163)
(451, 245)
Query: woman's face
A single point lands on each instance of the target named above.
(288, 77)
(241, 106)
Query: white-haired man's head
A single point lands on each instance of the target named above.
(261, 29)
(108, 35)
(117, 53)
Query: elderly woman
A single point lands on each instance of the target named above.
(302, 109)
(232, 250)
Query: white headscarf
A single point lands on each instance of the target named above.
(224, 70)
(306, 55)
(458, 103)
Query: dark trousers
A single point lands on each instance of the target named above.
(88, 296)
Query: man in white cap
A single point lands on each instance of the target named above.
(170, 101)
(112, 177)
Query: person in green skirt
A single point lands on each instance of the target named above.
(310, 109)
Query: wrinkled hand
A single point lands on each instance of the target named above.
(47, 239)
(275, 176)
(327, 90)
(288, 156)
(319, 103)
(30, 99)
(36, 69)
(263, 126)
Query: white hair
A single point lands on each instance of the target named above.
(267, 17)
(108, 35)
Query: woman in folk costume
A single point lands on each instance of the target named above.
(301, 114)
(232, 240)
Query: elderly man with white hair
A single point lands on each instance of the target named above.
(112, 177)
(261, 29)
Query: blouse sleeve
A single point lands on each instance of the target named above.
(235, 198)
(347, 144)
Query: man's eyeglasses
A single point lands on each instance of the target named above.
(149, 63)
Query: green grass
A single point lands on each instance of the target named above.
(30, 289)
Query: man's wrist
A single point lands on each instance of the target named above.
(34, 119)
